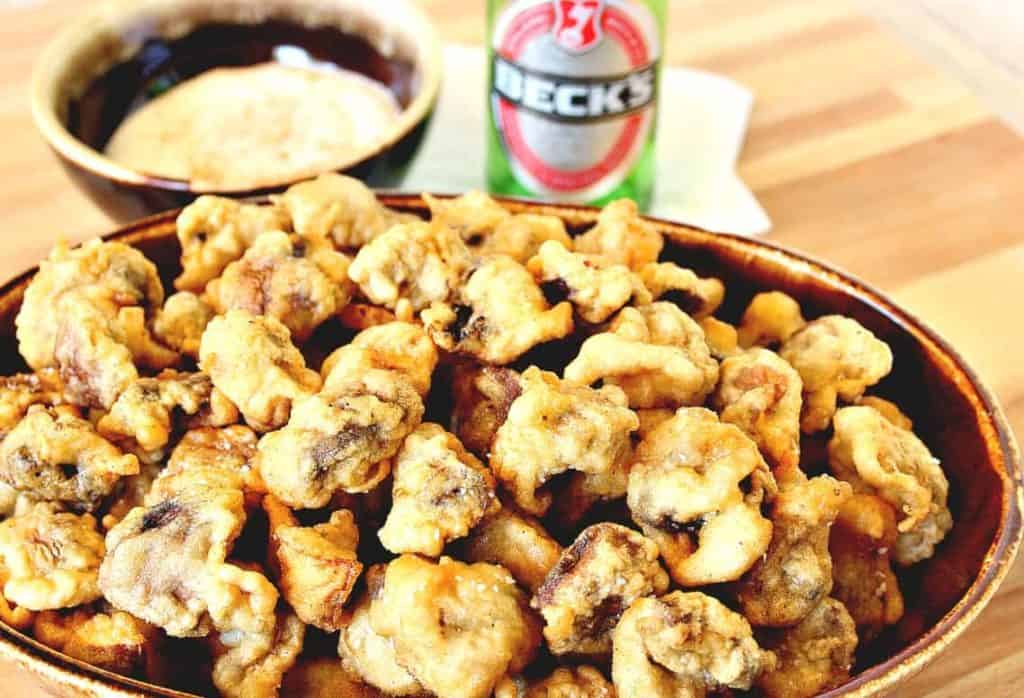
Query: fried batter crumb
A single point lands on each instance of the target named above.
(555, 426)
(564, 682)
(440, 492)
(684, 645)
(696, 489)
(656, 353)
(601, 574)
(837, 359)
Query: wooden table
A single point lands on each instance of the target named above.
(861, 152)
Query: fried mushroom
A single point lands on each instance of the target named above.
(722, 338)
(257, 669)
(115, 641)
(696, 488)
(145, 411)
(440, 492)
(54, 455)
(837, 359)
(215, 231)
(600, 575)
(814, 656)
(181, 321)
(622, 236)
(770, 319)
(517, 542)
(760, 393)
(684, 645)
(395, 346)
(473, 216)
(340, 439)
(301, 283)
(564, 682)
(481, 396)
(418, 262)
(481, 322)
(22, 390)
(252, 360)
(795, 574)
(862, 540)
(316, 566)
(521, 236)
(555, 426)
(878, 457)
(457, 628)
(595, 292)
(338, 208)
(695, 296)
(655, 353)
(49, 558)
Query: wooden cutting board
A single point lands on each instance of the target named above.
(862, 153)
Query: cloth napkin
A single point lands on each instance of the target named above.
(702, 123)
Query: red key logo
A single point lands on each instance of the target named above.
(578, 24)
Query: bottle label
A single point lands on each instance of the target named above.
(573, 92)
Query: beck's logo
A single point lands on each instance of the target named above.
(578, 24)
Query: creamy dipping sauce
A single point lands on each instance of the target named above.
(254, 126)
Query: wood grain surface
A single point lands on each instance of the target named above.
(863, 154)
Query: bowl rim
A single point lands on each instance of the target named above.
(50, 664)
(52, 65)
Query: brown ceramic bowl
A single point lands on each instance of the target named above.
(90, 77)
(953, 412)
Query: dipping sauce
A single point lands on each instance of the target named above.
(247, 127)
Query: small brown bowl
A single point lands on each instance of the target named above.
(94, 73)
(953, 412)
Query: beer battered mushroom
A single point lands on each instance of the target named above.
(684, 645)
(418, 262)
(553, 427)
(770, 319)
(252, 360)
(670, 282)
(862, 540)
(878, 457)
(621, 236)
(49, 558)
(600, 575)
(721, 337)
(440, 492)
(145, 411)
(520, 236)
(54, 455)
(473, 216)
(517, 542)
(595, 292)
(457, 628)
(482, 396)
(257, 669)
(114, 641)
(301, 283)
(21, 391)
(696, 489)
(367, 654)
(655, 353)
(108, 274)
(395, 346)
(564, 682)
(837, 359)
(340, 439)
(338, 208)
(181, 322)
(316, 566)
(795, 574)
(814, 656)
(481, 322)
(215, 231)
(760, 393)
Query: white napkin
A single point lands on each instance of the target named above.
(702, 122)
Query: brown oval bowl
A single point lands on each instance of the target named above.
(392, 42)
(953, 412)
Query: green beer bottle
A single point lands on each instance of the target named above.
(573, 98)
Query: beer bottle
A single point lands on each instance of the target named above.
(572, 98)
